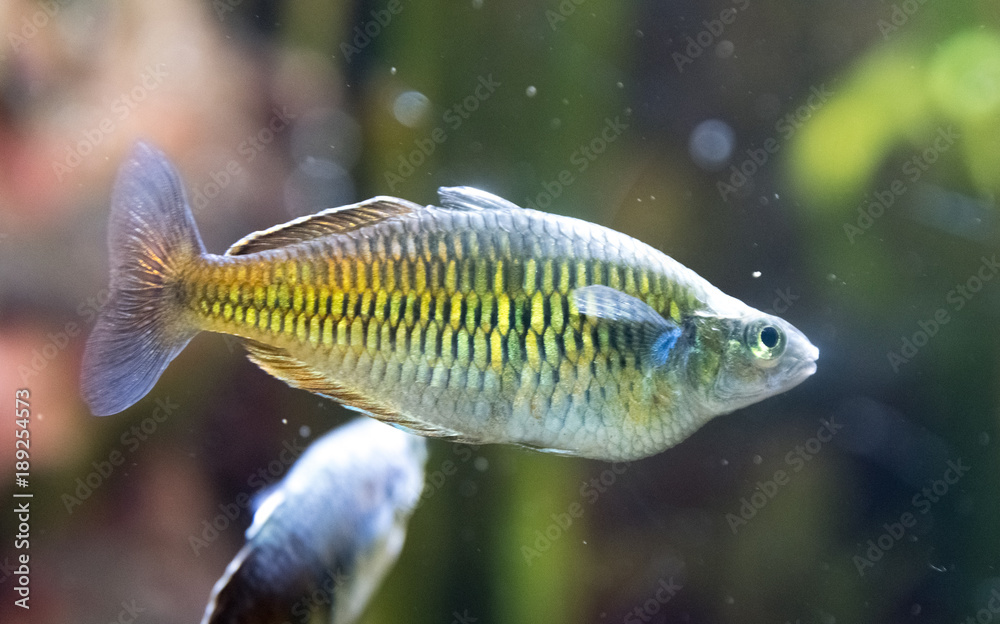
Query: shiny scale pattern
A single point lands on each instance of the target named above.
(456, 310)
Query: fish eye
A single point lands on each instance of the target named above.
(769, 337)
(766, 341)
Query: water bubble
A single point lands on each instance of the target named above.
(915, 609)
(531, 91)
(284, 421)
(725, 49)
(620, 85)
(477, 4)
(758, 460)
(317, 182)
(756, 274)
(984, 439)
(723, 462)
(482, 464)
(305, 431)
(410, 108)
(392, 70)
(711, 144)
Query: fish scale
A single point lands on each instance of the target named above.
(477, 320)
(447, 314)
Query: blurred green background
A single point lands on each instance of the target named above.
(835, 163)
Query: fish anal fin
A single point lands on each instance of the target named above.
(332, 221)
(298, 374)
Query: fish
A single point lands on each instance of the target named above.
(475, 321)
(323, 538)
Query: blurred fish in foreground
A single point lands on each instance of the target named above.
(477, 321)
(323, 537)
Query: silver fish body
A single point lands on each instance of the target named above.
(323, 538)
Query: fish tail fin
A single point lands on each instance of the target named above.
(152, 238)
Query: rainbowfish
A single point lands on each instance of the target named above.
(324, 537)
(476, 321)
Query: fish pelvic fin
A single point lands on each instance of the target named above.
(152, 238)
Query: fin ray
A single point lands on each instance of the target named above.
(151, 238)
(470, 198)
(280, 363)
(331, 221)
(659, 335)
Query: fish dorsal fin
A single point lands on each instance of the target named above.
(331, 221)
(298, 374)
(469, 198)
(659, 335)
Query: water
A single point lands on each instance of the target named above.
(834, 164)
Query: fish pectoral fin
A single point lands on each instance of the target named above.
(469, 198)
(298, 374)
(332, 221)
(657, 335)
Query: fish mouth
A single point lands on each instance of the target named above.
(804, 367)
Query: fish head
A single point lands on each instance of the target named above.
(739, 360)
